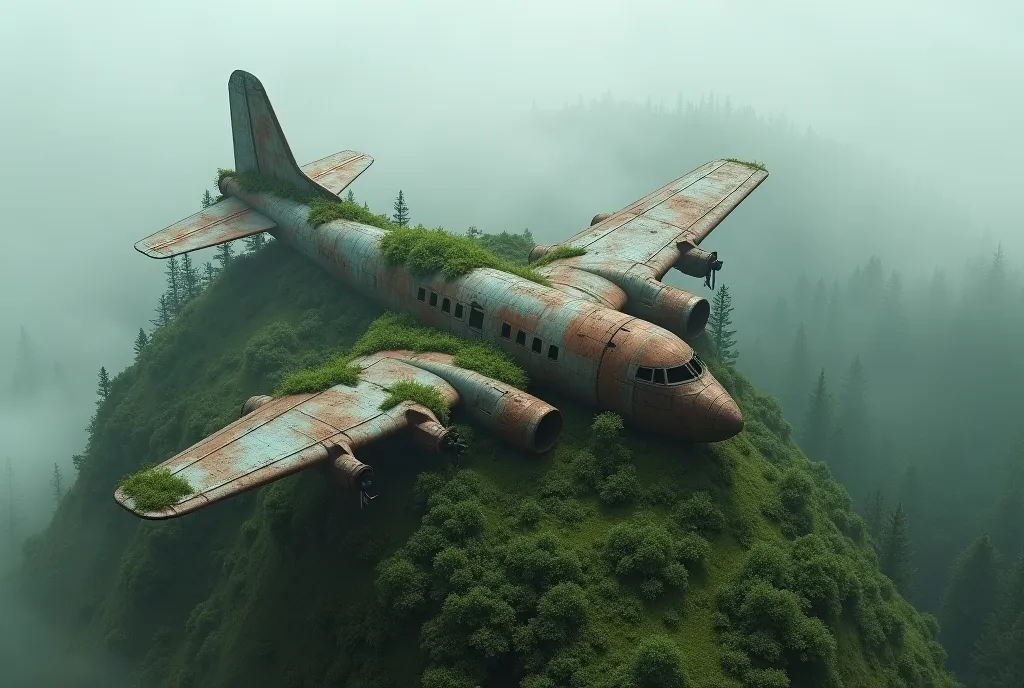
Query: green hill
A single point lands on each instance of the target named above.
(618, 559)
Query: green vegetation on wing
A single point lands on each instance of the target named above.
(423, 251)
(617, 559)
(755, 164)
(155, 489)
(424, 395)
(393, 331)
(558, 253)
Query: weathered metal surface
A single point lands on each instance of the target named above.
(572, 337)
(277, 438)
(260, 145)
(335, 172)
(224, 221)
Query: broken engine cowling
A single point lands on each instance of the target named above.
(696, 262)
(538, 252)
(253, 403)
(680, 312)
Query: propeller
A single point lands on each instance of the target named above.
(366, 492)
(453, 444)
(714, 265)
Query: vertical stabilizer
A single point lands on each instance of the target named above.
(260, 145)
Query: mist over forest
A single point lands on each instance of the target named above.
(876, 276)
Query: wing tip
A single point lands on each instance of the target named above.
(147, 250)
(756, 165)
(128, 504)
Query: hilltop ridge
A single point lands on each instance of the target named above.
(618, 559)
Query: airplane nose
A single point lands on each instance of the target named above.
(726, 419)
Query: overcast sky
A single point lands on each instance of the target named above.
(115, 114)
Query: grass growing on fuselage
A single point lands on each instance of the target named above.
(422, 251)
(756, 164)
(558, 253)
(394, 331)
(154, 489)
(424, 395)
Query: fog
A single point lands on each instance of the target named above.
(115, 118)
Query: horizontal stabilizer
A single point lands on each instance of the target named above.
(224, 221)
(335, 172)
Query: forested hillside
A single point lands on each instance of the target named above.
(617, 560)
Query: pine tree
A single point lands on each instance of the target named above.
(57, 483)
(817, 428)
(78, 460)
(12, 535)
(718, 326)
(895, 560)
(103, 389)
(1008, 521)
(853, 419)
(207, 199)
(473, 233)
(174, 290)
(140, 343)
(969, 599)
(998, 658)
(189, 279)
(255, 242)
(209, 272)
(874, 514)
(25, 380)
(799, 373)
(224, 254)
(401, 216)
(350, 197)
(163, 312)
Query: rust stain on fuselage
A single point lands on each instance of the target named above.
(564, 342)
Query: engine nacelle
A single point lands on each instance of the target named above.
(600, 217)
(253, 403)
(538, 252)
(680, 312)
(695, 261)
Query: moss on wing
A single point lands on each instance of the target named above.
(338, 371)
(395, 331)
(154, 489)
(424, 395)
(756, 164)
(558, 253)
(428, 251)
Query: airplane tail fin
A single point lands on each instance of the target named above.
(260, 145)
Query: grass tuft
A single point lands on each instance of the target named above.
(756, 164)
(558, 253)
(337, 371)
(421, 394)
(154, 489)
(428, 251)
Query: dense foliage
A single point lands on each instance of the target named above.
(153, 489)
(618, 559)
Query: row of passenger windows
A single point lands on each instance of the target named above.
(537, 345)
(476, 314)
(690, 370)
(476, 321)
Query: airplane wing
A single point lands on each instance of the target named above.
(230, 219)
(290, 434)
(687, 209)
(335, 172)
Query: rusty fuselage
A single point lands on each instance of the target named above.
(596, 355)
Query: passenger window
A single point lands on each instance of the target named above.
(679, 374)
(659, 376)
(537, 345)
(421, 295)
(476, 318)
(644, 374)
(506, 330)
(553, 352)
(446, 305)
(433, 299)
(521, 338)
(458, 310)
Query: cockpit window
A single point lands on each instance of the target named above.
(680, 374)
(697, 365)
(659, 376)
(644, 374)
